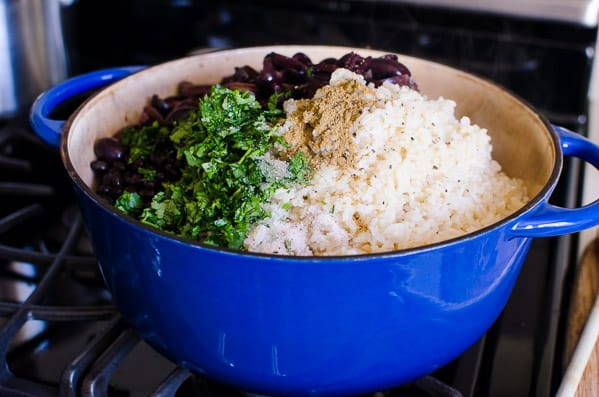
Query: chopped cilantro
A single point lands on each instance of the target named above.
(299, 168)
(142, 142)
(273, 100)
(146, 173)
(222, 186)
(130, 203)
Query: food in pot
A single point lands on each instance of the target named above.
(358, 163)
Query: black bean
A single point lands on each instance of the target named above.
(269, 72)
(132, 178)
(350, 61)
(282, 62)
(363, 67)
(328, 60)
(172, 171)
(242, 86)
(404, 79)
(137, 164)
(244, 74)
(146, 193)
(324, 68)
(154, 115)
(193, 102)
(117, 180)
(303, 59)
(99, 166)
(179, 113)
(294, 76)
(160, 105)
(188, 89)
(107, 180)
(118, 165)
(158, 157)
(144, 118)
(109, 149)
(382, 68)
(105, 190)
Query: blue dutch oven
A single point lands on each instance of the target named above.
(313, 325)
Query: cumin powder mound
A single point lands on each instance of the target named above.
(321, 127)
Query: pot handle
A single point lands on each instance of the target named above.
(50, 129)
(550, 220)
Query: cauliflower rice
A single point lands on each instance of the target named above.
(422, 176)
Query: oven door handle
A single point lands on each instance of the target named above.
(551, 220)
(49, 129)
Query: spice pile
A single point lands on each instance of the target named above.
(321, 127)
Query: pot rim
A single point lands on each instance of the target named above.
(542, 195)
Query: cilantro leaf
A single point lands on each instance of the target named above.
(147, 174)
(129, 202)
(299, 167)
(142, 142)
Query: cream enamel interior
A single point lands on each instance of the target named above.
(521, 141)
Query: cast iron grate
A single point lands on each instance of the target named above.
(50, 290)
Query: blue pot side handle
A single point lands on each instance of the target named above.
(50, 129)
(551, 220)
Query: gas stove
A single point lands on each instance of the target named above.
(60, 333)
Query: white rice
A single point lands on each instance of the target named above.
(422, 176)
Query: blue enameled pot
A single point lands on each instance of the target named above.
(314, 325)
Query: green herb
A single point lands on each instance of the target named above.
(222, 187)
(129, 202)
(142, 142)
(309, 72)
(273, 100)
(286, 206)
(299, 168)
(288, 246)
(146, 173)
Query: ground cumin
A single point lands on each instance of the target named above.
(321, 126)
